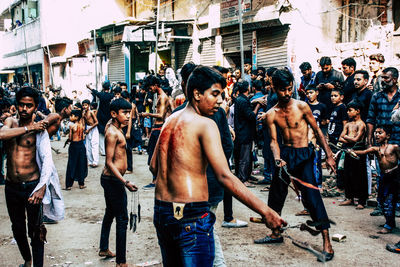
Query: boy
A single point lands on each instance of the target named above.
(320, 113)
(337, 120)
(77, 160)
(113, 183)
(388, 157)
(355, 171)
(92, 134)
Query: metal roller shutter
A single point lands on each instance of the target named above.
(116, 64)
(231, 42)
(183, 53)
(207, 52)
(272, 47)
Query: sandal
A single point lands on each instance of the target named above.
(384, 231)
(360, 207)
(82, 186)
(67, 188)
(265, 189)
(303, 213)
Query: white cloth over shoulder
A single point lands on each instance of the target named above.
(53, 203)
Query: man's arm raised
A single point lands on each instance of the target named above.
(211, 145)
(8, 131)
(320, 136)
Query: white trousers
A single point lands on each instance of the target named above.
(102, 145)
(92, 146)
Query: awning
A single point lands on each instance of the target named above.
(7, 71)
(135, 34)
(5, 5)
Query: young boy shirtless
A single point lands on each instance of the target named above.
(113, 182)
(388, 157)
(92, 134)
(77, 161)
(355, 170)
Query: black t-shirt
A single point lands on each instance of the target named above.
(319, 111)
(335, 126)
(363, 97)
(333, 77)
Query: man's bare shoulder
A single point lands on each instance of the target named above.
(301, 104)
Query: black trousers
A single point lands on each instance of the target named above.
(242, 154)
(116, 207)
(228, 210)
(356, 179)
(17, 195)
(77, 167)
(300, 164)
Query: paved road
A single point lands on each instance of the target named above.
(74, 241)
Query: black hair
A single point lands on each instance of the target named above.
(152, 80)
(394, 71)
(86, 101)
(106, 85)
(118, 104)
(364, 73)
(186, 70)
(78, 105)
(117, 89)
(125, 94)
(282, 78)
(338, 88)
(243, 87)
(221, 69)
(61, 103)
(257, 84)
(77, 113)
(123, 84)
(356, 105)
(311, 87)
(202, 78)
(271, 71)
(378, 57)
(262, 69)
(325, 61)
(27, 91)
(248, 61)
(386, 127)
(93, 105)
(349, 62)
(254, 72)
(305, 66)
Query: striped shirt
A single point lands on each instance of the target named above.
(380, 112)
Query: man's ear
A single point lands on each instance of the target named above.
(196, 95)
(113, 114)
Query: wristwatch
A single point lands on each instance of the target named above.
(126, 182)
(26, 129)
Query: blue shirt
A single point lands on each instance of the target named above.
(380, 111)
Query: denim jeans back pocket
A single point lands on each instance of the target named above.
(195, 236)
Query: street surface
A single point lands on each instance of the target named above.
(75, 240)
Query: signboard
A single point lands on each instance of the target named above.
(254, 49)
(230, 11)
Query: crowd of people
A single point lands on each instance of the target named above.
(347, 122)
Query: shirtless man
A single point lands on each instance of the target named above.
(113, 182)
(355, 170)
(388, 157)
(292, 118)
(188, 142)
(162, 106)
(92, 134)
(23, 175)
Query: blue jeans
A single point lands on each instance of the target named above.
(188, 241)
(116, 206)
